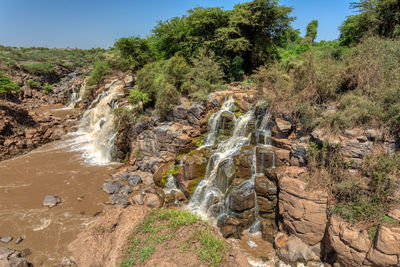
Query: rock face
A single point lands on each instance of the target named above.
(51, 201)
(304, 212)
(12, 258)
(292, 249)
(102, 244)
(354, 246)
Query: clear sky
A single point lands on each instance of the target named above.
(99, 23)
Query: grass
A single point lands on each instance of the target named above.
(161, 226)
(212, 249)
(47, 88)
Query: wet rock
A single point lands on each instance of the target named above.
(195, 113)
(232, 228)
(243, 163)
(19, 240)
(134, 180)
(265, 187)
(265, 159)
(266, 205)
(194, 166)
(51, 201)
(12, 258)
(292, 249)
(160, 172)
(6, 239)
(111, 187)
(242, 198)
(268, 229)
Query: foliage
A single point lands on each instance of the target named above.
(311, 32)
(334, 87)
(204, 77)
(381, 17)
(136, 96)
(47, 88)
(33, 84)
(7, 85)
(135, 50)
(100, 70)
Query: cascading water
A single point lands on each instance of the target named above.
(76, 96)
(212, 195)
(210, 189)
(96, 131)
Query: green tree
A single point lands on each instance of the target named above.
(136, 50)
(311, 32)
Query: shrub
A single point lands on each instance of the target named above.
(204, 77)
(136, 96)
(47, 88)
(7, 85)
(33, 84)
(100, 70)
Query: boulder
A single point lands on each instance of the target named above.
(119, 200)
(232, 228)
(292, 249)
(111, 187)
(304, 212)
(152, 200)
(51, 201)
(134, 180)
(388, 240)
(283, 126)
(194, 167)
(6, 239)
(242, 198)
(12, 258)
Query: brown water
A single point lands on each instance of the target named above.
(52, 169)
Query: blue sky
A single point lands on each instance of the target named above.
(98, 23)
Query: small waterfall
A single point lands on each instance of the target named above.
(96, 132)
(76, 96)
(214, 122)
(210, 190)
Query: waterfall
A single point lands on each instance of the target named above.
(209, 189)
(212, 195)
(96, 132)
(214, 122)
(76, 96)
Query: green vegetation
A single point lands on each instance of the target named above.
(41, 60)
(160, 228)
(7, 85)
(100, 70)
(311, 32)
(32, 84)
(136, 96)
(47, 88)
(366, 196)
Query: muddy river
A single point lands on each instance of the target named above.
(53, 169)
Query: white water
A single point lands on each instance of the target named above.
(210, 189)
(214, 122)
(96, 132)
(76, 96)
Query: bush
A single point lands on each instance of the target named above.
(100, 70)
(32, 84)
(204, 77)
(7, 85)
(136, 96)
(47, 88)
